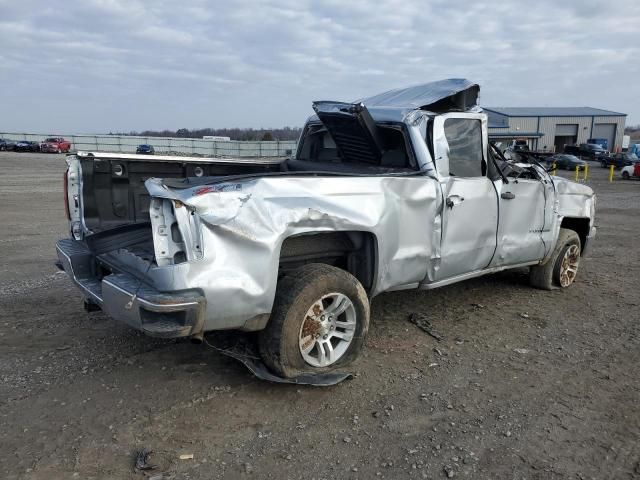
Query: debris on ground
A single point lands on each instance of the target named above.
(423, 323)
(142, 460)
(186, 456)
(244, 349)
(448, 470)
(521, 351)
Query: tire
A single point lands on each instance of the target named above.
(603, 164)
(625, 175)
(553, 274)
(297, 299)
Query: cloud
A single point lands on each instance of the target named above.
(100, 65)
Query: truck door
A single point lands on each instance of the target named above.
(470, 207)
(522, 220)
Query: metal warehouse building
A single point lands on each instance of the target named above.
(551, 128)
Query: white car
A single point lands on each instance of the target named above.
(631, 171)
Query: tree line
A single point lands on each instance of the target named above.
(245, 134)
(633, 131)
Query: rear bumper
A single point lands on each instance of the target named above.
(130, 300)
(588, 244)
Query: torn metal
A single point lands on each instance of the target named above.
(142, 460)
(245, 351)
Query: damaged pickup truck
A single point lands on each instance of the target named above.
(397, 191)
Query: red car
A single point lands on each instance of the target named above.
(55, 145)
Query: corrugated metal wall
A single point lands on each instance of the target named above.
(620, 123)
(547, 127)
(126, 144)
(519, 124)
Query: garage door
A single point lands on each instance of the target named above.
(605, 130)
(568, 130)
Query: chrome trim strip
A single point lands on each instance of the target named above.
(180, 159)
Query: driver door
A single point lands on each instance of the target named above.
(470, 209)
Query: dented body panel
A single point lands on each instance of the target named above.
(218, 241)
(243, 229)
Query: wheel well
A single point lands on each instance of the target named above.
(578, 225)
(352, 251)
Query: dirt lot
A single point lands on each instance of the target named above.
(527, 384)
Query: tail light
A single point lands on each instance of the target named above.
(65, 183)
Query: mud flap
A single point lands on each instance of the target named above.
(245, 351)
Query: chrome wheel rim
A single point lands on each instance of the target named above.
(327, 330)
(569, 266)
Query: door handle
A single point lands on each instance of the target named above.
(451, 202)
(507, 195)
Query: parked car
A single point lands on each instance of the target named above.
(587, 150)
(55, 145)
(145, 149)
(295, 248)
(566, 162)
(27, 146)
(631, 171)
(7, 144)
(619, 160)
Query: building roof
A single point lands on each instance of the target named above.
(553, 112)
(517, 134)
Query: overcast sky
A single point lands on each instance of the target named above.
(90, 66)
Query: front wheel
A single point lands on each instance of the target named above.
(319, 321)
(625, 175)
(603, 164)
(561, 269)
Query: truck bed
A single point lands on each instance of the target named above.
(113, 191)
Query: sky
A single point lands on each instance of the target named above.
(99, 66)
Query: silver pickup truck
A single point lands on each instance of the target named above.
(397, 191)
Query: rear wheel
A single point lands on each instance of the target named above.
(625, 175)
(319, 322)
(603, 164)
(561, 269)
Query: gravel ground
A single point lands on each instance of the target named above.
(526, 384)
